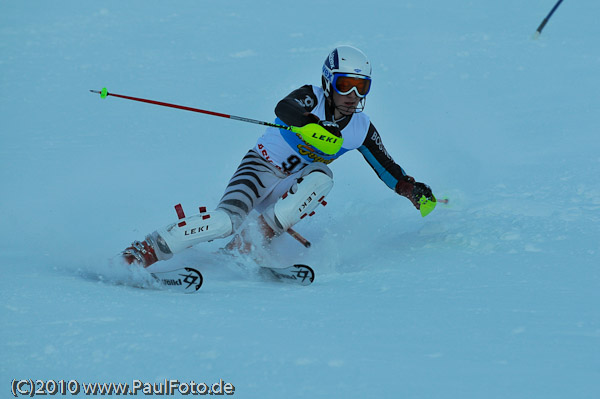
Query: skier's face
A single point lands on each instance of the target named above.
(345, 104)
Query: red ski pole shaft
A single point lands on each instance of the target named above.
(299, 237)
(104, 93)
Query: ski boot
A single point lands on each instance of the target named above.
(140, 253)
(250, 238)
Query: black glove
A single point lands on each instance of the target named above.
(331, 127)
(309, 117)
(414, 191)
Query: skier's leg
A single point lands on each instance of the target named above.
(175, 237)
(253, 180)
(291, 199)
(300, 200)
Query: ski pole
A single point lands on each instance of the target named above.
(538, 31)
(299, 237)
(104, 93)
(313, 134)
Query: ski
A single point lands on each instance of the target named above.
(296, 274)
(186, 280)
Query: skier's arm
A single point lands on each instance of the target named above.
(389, 171)
(294, 109)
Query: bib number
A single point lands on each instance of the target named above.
(291, 163)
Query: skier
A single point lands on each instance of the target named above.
(283, 177)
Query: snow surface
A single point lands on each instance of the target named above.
(496, 295)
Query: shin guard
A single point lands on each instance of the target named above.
(189, 231)
(300, 201)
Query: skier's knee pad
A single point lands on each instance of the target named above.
(301, 200)
(190, 231)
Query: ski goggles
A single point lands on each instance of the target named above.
(344, 83)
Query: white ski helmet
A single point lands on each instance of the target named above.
(346, 60)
